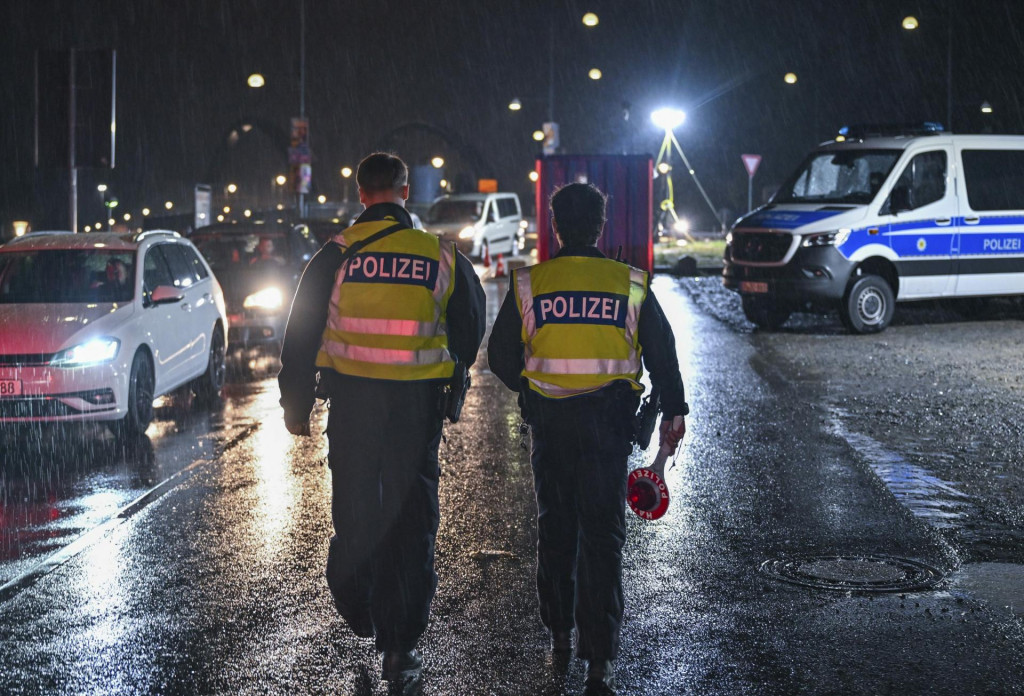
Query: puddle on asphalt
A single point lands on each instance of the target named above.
(929, 497)
(935, 501)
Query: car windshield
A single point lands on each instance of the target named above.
(846, 176)
(235, 251)
(455, 211)
(67, 275)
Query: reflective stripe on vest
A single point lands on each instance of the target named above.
(387, 317)
(580, 316)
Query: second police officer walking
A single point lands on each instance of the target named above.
(383, 317)
(570, 337)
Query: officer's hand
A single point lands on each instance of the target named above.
(671, 432)
(298, 428)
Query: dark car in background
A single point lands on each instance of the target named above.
(258, 265)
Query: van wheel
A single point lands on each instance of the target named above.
(764, 313)
(140, 399)
(868, 306)
(209, 386)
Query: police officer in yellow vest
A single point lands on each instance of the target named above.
(379, 334)
(570, 337)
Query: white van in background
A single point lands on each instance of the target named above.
(478, 222)
(880, 216)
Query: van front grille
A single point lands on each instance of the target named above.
(760, 247)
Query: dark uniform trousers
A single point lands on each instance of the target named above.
(383, 437)
(580, 448)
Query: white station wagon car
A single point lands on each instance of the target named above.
(94, 326)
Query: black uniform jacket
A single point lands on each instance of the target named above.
(657, 343)
(297, 380)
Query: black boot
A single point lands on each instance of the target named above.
(400, 665)
(600, 678)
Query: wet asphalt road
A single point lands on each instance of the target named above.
(212, 583)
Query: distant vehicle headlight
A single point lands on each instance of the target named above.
(467, 232)
(267, 298)
(94, 352)
(836, 238)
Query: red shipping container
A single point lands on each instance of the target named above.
(627, 180)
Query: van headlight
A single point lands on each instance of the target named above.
(267, 298)
(94, 352)
(820, 239)
(467, 232)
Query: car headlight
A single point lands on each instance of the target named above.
(728, 238)
(94, 352)
(467, 232)
(836, 238)
(267, 298)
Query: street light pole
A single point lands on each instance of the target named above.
(302, 82)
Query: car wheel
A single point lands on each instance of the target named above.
(868, 306)
(209, 386)
(140, 398)
(764, 312)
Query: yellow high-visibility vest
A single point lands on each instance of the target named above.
(580, 315)
(387, 317)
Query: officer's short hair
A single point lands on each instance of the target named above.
(579, 212)
(382, 171)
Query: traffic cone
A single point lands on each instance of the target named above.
(487, 257)
(499, 267)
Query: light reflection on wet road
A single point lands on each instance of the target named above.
(216, 585)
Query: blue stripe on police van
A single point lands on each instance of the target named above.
(389, 267)
(575, 307)
(783, 220)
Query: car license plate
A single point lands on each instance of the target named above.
(753, 286)
(10, 387)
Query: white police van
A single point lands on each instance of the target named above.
(884, 215)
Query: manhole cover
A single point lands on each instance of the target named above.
(856, 573)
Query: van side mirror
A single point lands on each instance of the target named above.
(899, 200)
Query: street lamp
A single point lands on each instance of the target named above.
(346, 172)
(538, 135)
(594, 74)
(437, 162)
(232, 188)
(789, 78)
(101, 188)
(168, 205)
(515, 105)
(590, 20)
(145, 212)
(910, 23)
(986, 108)
(281, 180)
(255, 81)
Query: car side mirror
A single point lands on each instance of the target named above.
(165, 294)
(899, 200)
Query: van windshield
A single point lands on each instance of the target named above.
(845, 176)
(455, 211)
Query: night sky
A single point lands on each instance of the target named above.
(426, 78)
